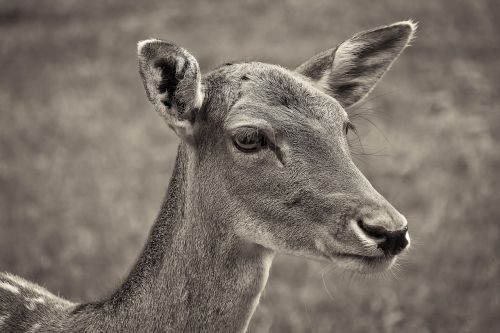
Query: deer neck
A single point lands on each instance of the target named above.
(194, 274)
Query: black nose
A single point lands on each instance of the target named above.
(393, 242)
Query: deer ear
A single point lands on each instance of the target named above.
(351, 70)
(172, 80)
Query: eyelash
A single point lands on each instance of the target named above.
(349, 126)
(250, 140)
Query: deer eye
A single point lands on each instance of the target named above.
(249, 140)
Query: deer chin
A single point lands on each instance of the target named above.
(364, 264)
(355, 262)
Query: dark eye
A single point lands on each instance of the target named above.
(249, 140)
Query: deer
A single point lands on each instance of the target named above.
(263, 167)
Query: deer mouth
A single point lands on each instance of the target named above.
(364, 264)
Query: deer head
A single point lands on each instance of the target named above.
(268, 152)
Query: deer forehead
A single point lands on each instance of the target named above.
(272, 95)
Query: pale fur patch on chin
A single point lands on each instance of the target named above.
(359, 267)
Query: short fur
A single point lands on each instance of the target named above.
(226, 213)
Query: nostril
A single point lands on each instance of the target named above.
(372, 230)
(392, 242)
(395, 242)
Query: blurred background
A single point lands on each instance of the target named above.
(85, 161)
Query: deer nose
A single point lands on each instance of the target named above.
(391, 242)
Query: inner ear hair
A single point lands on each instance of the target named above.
(172, 80)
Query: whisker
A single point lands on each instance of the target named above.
(308, 315)
(324, 283)
(378, 129)
(373, 97)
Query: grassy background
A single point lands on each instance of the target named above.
(84, 161)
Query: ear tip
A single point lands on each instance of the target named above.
(413, 25)
(143, 43)
(408, 24)
(408, 28)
